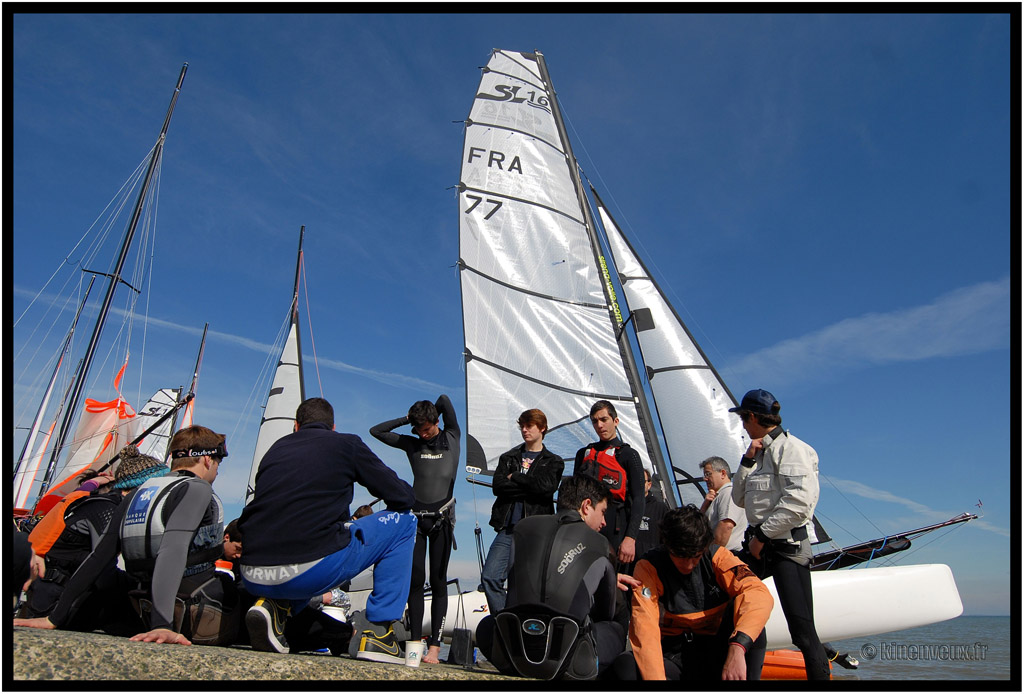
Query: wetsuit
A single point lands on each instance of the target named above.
(560, 563)
(622, 519)
(649, 535)
(85, 519)
(174, 558)
(682, 624)
(779, 490)
(434, 464)
(525, 483)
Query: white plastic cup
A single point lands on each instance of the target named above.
(414, 652)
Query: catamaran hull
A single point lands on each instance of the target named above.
(861, 602)
(847, 604)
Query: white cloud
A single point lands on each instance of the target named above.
(965, 321)
(931, 515)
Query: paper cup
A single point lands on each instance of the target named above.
(414, 651)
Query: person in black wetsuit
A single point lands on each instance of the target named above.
(170, 532)
(561, 567)
(434, 458)
(84, 521)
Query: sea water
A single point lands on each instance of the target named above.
(965, 648)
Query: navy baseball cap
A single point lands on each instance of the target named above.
(756, 401)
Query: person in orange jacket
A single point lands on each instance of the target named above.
(700, 613)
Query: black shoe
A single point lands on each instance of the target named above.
(380, 648)
(265, 622)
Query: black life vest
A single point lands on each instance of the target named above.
(604, 467)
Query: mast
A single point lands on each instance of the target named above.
(288, 389)
(186, 419)
(646, 421)
(115, 277)
(28, 472)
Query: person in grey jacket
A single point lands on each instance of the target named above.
(777, 484)
(525, 483)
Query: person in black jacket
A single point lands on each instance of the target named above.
(525, 482)
(654, 510)
(300, 540)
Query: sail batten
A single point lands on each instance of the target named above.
(538, 327)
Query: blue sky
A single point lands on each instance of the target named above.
(826, 199)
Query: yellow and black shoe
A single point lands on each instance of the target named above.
(265, 622)
(380, 648)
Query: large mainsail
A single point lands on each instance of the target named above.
(686, 387)
(287, 390)
(539, 328)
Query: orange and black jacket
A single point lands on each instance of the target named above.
(671, 606)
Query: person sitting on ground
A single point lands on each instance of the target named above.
(300, 541)
(700, 611)
(727, 519)
(169, 532)
(562, 583)
(434, 458)
(525, 482)
(80, 527)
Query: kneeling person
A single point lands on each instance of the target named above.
(561, 592)
(700, 613)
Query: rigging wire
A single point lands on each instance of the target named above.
(309, 321)
(126, 187)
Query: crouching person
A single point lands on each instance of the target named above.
(700, 612)
(300, 543)
(558, 620)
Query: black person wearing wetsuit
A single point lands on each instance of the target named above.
(434, 458)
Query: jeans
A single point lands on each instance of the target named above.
(383, 540)
(496, 570)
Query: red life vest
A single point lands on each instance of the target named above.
(604, 467)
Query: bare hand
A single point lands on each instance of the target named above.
(755, 546)
(35, 623)
(625, 582)
(755, 446)
(38, 570)
(162, 636)
(627, 550)
(710, 496)
(735, 663)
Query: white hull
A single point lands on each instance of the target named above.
(860, 602)
(847, 604)
(474, 606)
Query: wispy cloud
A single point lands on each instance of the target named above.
(386, 377)
(928, 514)
(965, 321)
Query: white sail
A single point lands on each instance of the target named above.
(536, 321)
(685, 386)
(287, 390)
(284, 398)
(155, 443)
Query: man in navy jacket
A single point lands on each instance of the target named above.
(300, 540)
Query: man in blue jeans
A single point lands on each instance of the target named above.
(300, 540)
(525, 483)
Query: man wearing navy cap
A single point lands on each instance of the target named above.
(777, 485)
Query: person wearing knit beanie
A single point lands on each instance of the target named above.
(135, 468)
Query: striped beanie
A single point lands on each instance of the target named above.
(136, 468)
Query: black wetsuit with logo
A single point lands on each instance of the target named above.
(434, 463)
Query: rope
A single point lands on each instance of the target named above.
(309, 319)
